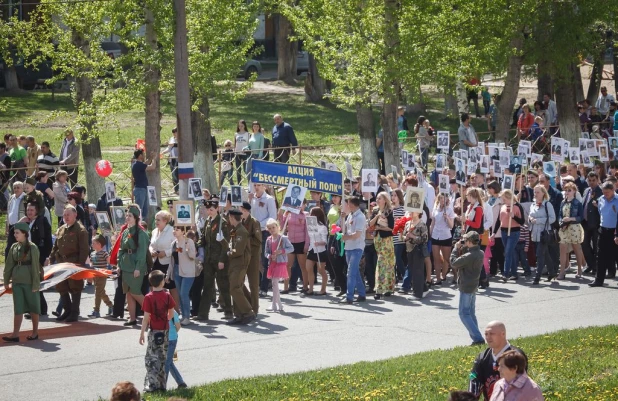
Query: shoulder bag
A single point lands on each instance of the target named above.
(549, 235)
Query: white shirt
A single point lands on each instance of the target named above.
(488, 216)
(603, 103)
(13, 208)
(162, 242)
(441, 230)
(355, 223)
(551, 113)
(173, 150)
(322, 236)
(242, 141)
(263, 208)
(430, 195)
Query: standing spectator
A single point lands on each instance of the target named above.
(486, 99)
(541, 217)
(524, 122)
(584, 118)
(468, 260)
(380, 149)
(402, 121)
(283, 137)
(19, 158)
(608, 211)
(263, 208)
(61, 192)
(551, 112)
(539, 110)
(69, 156)
(354, 242)
(473, 94)
(467, 134)
(47, 161)
(604, 101)
(34, 151)
(5, 175)
(42, 180)
(172, 151)
(140, 180)
(15, 211)
(515, 385)
(492, 117)
(241, 142)
(227, 168)
(590, 223)
(256, 145)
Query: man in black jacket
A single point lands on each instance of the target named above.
(591, 222)
(485, 372)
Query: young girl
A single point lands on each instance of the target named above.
(317, 252)
(170, 367)
(276, 250)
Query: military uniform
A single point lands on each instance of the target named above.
(131, 259)
(23, 271)
(71, 246)
(215, 252)
(240, 255)
(253, 269)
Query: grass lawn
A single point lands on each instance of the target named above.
(571, 365)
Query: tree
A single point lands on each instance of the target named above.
(287, 48)
(315, 85)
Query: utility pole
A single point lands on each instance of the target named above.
(183, 100)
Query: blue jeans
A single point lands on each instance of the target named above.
(424, 157)
(184, 286)
(520, 256)
(169, 363)
(141, 199)
(467, 314)
(510, 256)
(353, 257)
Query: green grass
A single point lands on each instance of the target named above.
(572, 365)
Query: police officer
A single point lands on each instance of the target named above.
(253, 269)
(239, 253)
(71, 246)
(215, 241)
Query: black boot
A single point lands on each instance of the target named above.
(66, 305)
(76, 300)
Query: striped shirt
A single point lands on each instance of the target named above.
(98, 260)
(48, 162)
(398, 213)
(524, 236)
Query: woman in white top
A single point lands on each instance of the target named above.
(61, 190)
(443, 219)
(161, 250)
(241, 141)
(317, 252)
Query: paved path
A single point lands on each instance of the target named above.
(89, 357)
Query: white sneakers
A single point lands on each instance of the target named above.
(185, 322)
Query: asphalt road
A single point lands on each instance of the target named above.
(82, 361)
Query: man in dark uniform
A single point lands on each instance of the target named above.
(215, 239)
(253, 269)
(33, 195)
(71, 246)
(240, 254)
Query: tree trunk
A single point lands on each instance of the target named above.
(545, 84)
(595, 78)
(152, 108)
(183, 97)
(566, 98)
(579, 86)
(286, 51)
(450, 102)
(11, 83)
(315, 86)
(509, 93)
(462, 100)
(391, 85)
(204, 165)
(369, 152)
(90, 145)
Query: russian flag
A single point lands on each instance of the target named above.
(185, 171)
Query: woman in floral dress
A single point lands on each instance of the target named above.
(383, 222)
(571, 231)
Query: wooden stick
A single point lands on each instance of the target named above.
(463, 212)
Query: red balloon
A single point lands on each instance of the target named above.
(103, 168)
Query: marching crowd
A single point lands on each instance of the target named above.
(366, 244)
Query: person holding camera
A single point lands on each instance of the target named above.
(467, 258)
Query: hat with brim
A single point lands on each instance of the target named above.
(23, 227)
(246, 205)
(235, 212)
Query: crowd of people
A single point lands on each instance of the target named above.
(367, 243)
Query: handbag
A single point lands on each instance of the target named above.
(549, 236)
